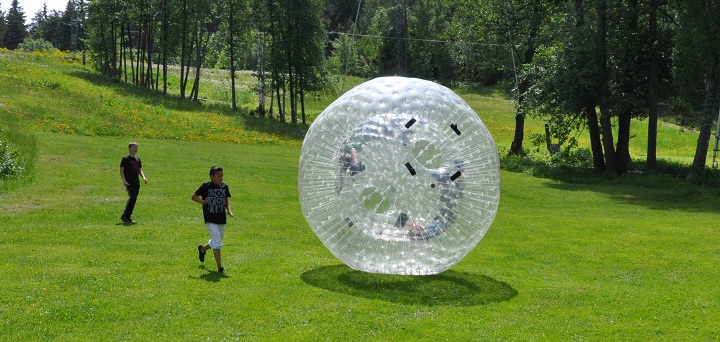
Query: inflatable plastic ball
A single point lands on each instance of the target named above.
(399, 176)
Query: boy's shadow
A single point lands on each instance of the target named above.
(211, 276)
(449, 288)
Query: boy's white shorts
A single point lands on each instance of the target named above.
(217, 231)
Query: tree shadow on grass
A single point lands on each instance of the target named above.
(264, 124)
(690, 199)
(449, 288)
(145, 95)
(671, 188)
(267, 124)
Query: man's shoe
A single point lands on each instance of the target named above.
(201, 254)
(127, 220)
(221, 270)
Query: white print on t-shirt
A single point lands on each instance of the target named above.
(216, 205)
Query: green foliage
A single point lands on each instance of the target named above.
(695, 49)
(46, 83)
(3, 29)
(217, 53)
(52, 27)
(18, 152)
(10, 160)
(355, 55)
(428, 57)
(575, 166)
(31, 45)
(570, 165)
(15, 20)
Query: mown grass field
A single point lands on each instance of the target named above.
(621, 259)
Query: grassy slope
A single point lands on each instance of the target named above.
(554, 265)
(42, 95)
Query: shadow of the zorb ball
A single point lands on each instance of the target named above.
(449, 288)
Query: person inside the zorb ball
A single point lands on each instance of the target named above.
(349, 161)
(450, 193)
(373, 131)
(421, 201)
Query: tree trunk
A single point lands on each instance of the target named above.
(183, 48)
(272, 97)
(605, 119)
(165, 35)
(261, 79)
(290, 41)
(139, 48)
(114, 51)
(281, 108)
(301, 91)
(589, 110)
(201, 45)
(189, 61)
(132, 64)
(595, 141)
(698, 165)
(149, 41)
(622, 154)
(293, 103)
(157, 75)
(651, 161)
(628, 88)
(519, 136)
(231, 43)
(300, 77)
(516, 146)
(121, 63)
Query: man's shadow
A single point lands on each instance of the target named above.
(449, 288)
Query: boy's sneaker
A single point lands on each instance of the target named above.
(127, 220)
(221, 270)
(201, 254)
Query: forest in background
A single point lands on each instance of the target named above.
(585, 65)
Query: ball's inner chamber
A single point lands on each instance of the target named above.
(399, 176)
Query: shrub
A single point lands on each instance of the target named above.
(31, 45)
(46, 83)
(10, 161)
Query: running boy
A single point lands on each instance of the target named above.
(130, 169)
(215, 198)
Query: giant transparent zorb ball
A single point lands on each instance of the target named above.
(399, 176)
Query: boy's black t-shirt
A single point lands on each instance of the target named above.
(214, 211)
(132, 166)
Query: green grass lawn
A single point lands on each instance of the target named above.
(614, 260)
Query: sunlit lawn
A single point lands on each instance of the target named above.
(614, 260)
